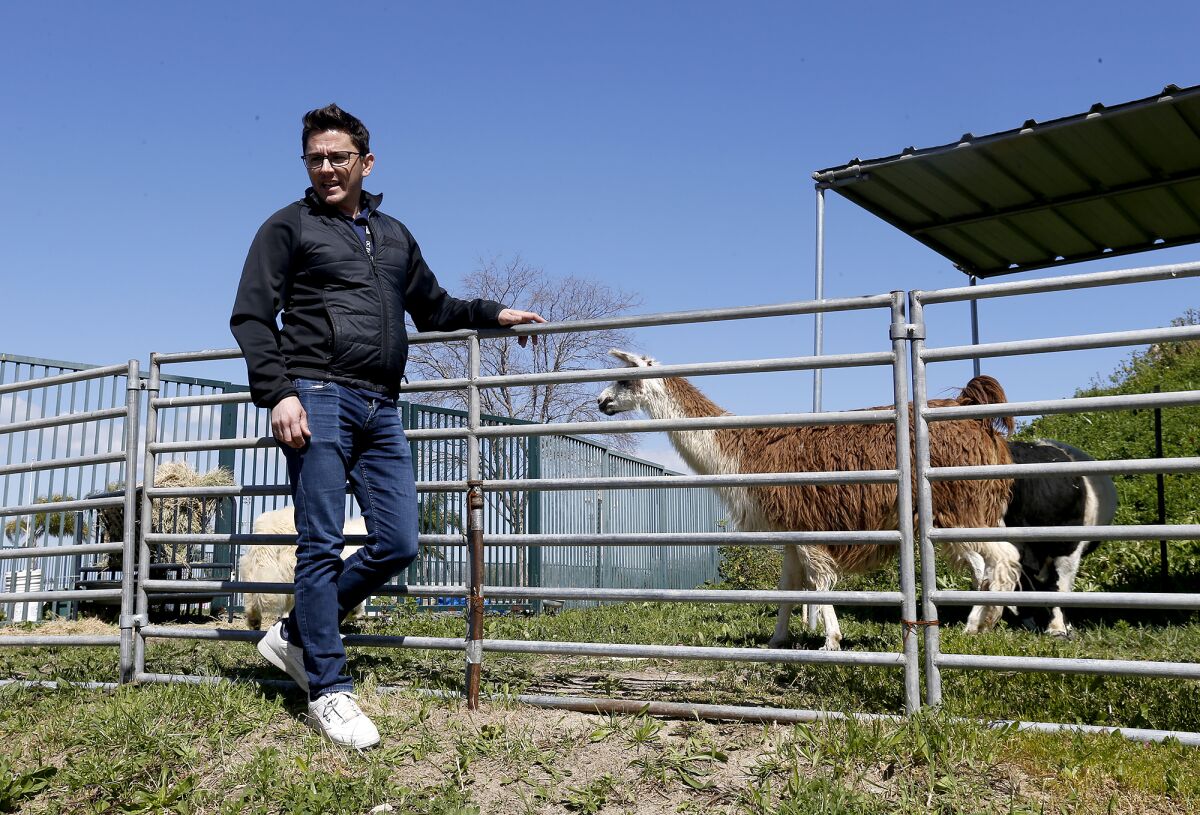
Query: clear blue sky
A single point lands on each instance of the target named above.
(665, 148)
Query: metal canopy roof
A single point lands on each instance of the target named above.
(1107, 182)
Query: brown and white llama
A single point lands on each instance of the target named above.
(839, 507)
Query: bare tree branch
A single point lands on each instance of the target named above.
(516, 283)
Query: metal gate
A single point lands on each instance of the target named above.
(476, 495)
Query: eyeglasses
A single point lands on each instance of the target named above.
(338, 158)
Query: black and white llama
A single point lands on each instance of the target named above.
(1089, 500)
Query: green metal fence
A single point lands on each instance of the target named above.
(264, 469)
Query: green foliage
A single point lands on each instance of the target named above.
(802, 795)
(163, 794)
(52, 524)
(588, 799)
(690, 763)
(435, 516)
(749, 567)
(1129, 434)
(16, 786)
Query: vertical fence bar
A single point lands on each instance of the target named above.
(819, 317)
(1161, 488)
(904, 504)
(226, 522)
(975, 325)
(809, 610)
(533, 523)
(474, 529)
(129, 532)
(933, 678)
(143, 558)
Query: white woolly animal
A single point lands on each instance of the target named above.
(839, 507)
(262, 563)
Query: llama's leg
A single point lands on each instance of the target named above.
(253, 612)
(978, 568)
(1067, 567)
(833, 632)
(1003, 573)
(812, 616)
(789, 580)
(962, 558)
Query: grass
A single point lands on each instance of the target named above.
(233, 748)
(1110, 701)
(240, 748)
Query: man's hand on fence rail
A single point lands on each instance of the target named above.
(511, 316)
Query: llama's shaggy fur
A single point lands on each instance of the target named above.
(263, 563)
(1056, 500)
(868, 507)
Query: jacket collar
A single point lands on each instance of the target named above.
(373, 200)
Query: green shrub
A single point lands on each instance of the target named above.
(750, 567)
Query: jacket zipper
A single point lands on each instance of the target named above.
(385, 347)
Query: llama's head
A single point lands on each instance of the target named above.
(628, 394)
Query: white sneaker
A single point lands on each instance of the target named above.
(283, 655)
(338, 716)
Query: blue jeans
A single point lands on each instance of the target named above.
(356, 435)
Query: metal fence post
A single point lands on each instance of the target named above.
(901, 333)
(143, 558)
(533, 509)
(1160, 485)
(933, 677)
(226, 521)
(474, 530)
(602, 525)
(975, 324)
(129, 532)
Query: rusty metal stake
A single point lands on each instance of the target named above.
(475, 593)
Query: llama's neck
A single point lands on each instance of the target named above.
(701, 449)
(680, 399)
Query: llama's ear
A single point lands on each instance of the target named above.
(630, 359)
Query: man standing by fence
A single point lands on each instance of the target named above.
(342, 274)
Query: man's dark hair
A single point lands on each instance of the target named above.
(331, 117)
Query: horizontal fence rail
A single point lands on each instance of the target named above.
(1073, 533)
(1075, 468)
(620, 539)
(862, 598)
(1099, 667)
(1069, 599)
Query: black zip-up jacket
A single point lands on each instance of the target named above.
(343, 309)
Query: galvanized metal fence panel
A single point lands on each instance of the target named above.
(49, 456)
(46, 529)
(923, 354)
(483, 443)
